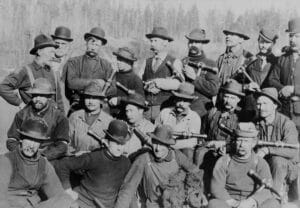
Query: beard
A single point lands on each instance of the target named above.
(91, 53)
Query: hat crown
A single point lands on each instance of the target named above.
(270, 91)
(34, 128)
(126, 53)
(42, 85)
(294, 25)
(186, 88)
(164, 133)
(42, 39)
(197, 34)
(160, 31)
(246, 129)
(269, 34)
(95, 88)
(98, 31)
(118, 129)
(137, 98)
(232, 86)
(62, 32)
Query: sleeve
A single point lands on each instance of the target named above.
(274, 77)
(131, 182)
(184, 162)
(139, 87)
(112, 90)
(207, 85)
(218, 181)
(6, 172)
(142, 69)
(13, 135)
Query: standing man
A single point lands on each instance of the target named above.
(160, 77)
(82, 70)
(231, 185)
(204, 76)
(24, 172)
(43, 107)
(22, 80)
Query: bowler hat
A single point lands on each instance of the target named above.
(137, 100)
(95, 89)
(233, 87)
(294, 26)
(268, 35)
(34, 128)
(198, 35)
(271, 93)
(186, 90)
(96, 32)
(118, 131)
(126, 54)
(236, 30)
(159, 32)
(41, 86)
(42, 41)
(63, 33)
(163, 134)
(246, 130)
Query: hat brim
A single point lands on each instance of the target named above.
(266, 38)
(62, 38)
(33, 137)
(87, 35)
(239, 133)
(126, 102)
(154, 137)
(232, 92)
(159, 36)
(34, 49)
(227, 32)
(32, 92)
(258, 94)
(123, 57)
(119, 140)
(180, 95)
(204, 41)
(93, 95)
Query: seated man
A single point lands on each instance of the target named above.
(276, 127)
(104, 170)
(153, 169)
(87, 125)
(42, 106)
(24, 172)
(231, 185)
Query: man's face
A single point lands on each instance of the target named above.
(40, 101)
(160, 150)
(92, 103)
(158, 45)
(133, 113)
(244, 147)
(266, 107)
(196, 44)
(63, 48)
(182, 105)
(294, 41)
(264, 46)
(29, 148)
(123, 65)
(115, 149)
(233, 40)
(93, 46)
(230, 101)
(46, 55)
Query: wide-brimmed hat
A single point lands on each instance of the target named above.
(186, 90)
(294, 26)
(233, 87)
(137, 100)
(118, 131)
(62, 33)
(235, 29)
(271, 93)
(35, 129)
(42, 41)
(94, 89)
(125, 53)
(159, 32)
(96, 32)
(246, 130)
(41, 86)
(268, 35)
(198, 35)
(162, 134)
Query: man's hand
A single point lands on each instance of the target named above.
(262, 152)
(233, 203)
(113, 101)
(248, 203)
(287, 91)
(22, 105)
(72, 193)
(151, 87)
(189, 72)
(253, 86)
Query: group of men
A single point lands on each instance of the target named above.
(92, 135)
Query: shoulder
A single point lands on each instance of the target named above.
(105, 116)
(104, 61)
(210, 62)
(76, 115)
(74, 59)
(193, 115)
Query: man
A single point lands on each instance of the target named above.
(276, 127)
(135, 106)
(89, 67)
(104, 170)
(88, 123)
(235, 56)
(22, 80)
(181, 118)
(24, 172)
(231, 185)
(42, 106)
(205, 79)
(126, 77)
(159, 77)
(153, 169)
(62, 38)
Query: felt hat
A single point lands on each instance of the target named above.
(293, 26)
(137, 100)
(125, 53)
(268, 35)
(35, 129)
(162, 134)
(118, 131)
(186, 90)
(62, 33)
(159, 32)
(233, 87)
(41, 86)
(236, 30)
(96, 32)
(198, 35)
(271, 93)
(246, 130)
(94, 89)
(42, 41)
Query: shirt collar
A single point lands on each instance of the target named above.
(37, 67)
(82, 116)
